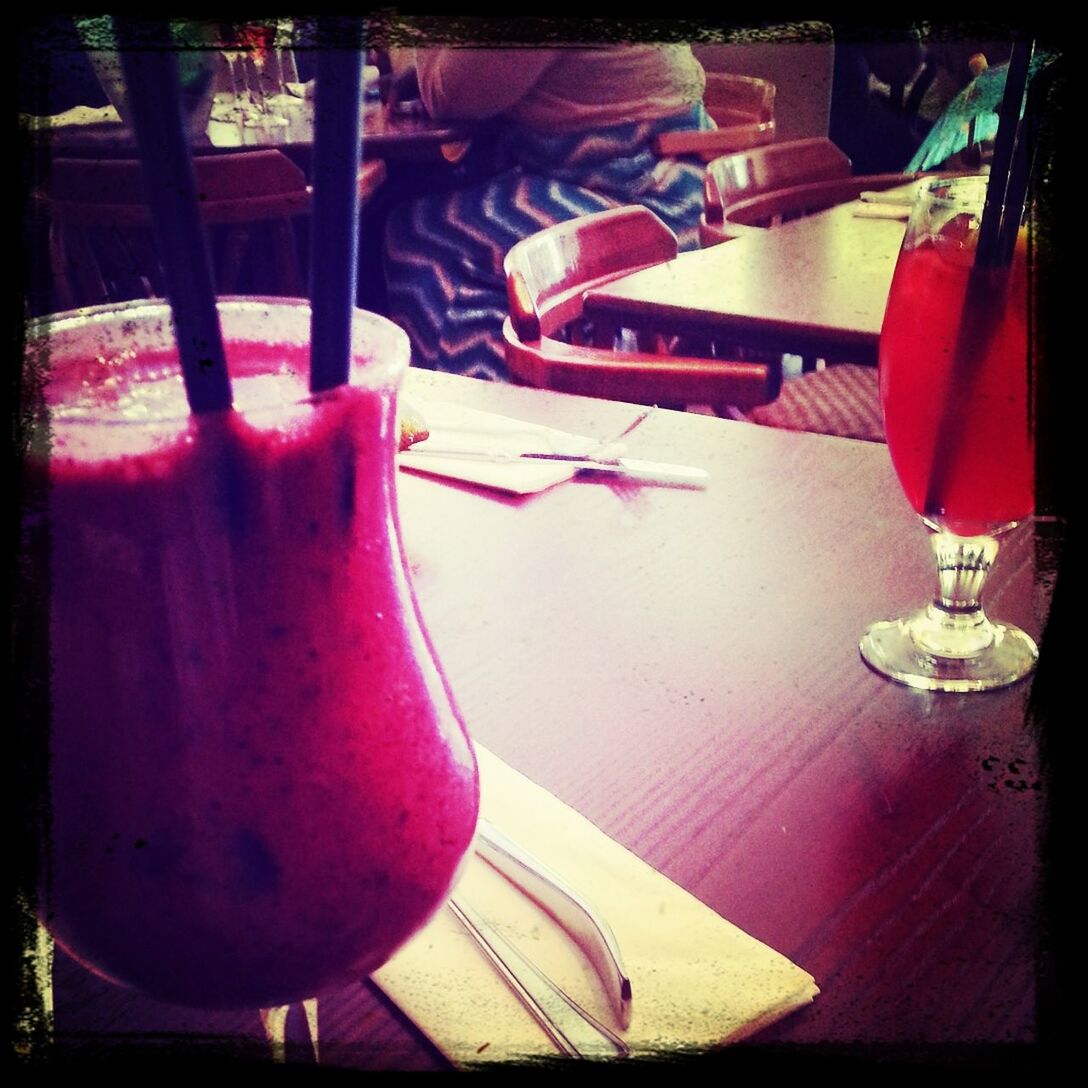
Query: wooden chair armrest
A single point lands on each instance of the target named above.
(710, 143)
(640, 378)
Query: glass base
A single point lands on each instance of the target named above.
(938, 651)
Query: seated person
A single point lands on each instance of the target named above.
(573, 135)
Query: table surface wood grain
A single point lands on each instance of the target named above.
(681, 666)
(831, 273)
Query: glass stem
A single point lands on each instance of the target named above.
(956, 625)
(287, 63)
(236, 87)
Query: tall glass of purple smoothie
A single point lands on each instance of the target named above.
(260, 785)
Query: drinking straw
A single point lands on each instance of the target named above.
(1020, 171)
(335, 229)
(153, 95)
(997, 208)
(1001, 215)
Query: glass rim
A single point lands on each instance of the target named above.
(381, 353)
(956, 191)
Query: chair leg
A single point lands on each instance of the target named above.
(287, 270)
(58, 259)
(233, 250)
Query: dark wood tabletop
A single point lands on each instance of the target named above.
(681, 666)
(816, 285)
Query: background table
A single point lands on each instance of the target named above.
(681, 666)
(386, 135)
(404, 154)
(397, 136)
(816, 285)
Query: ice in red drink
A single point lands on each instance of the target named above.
(260, 783)
(983, 395)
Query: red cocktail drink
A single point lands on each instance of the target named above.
(955, 385)
(956, 404)
(260, 784)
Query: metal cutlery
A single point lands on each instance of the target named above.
(657, 472)
(604, 458)
(647, 471)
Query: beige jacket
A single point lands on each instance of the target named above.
(560, 89)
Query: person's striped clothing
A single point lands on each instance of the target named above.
(444, 252)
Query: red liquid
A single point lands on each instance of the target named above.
(258, 39)
(988, 453)
(260, 784)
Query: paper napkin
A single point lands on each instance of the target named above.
(77, 117)
(453, 427)
(900, 194)
(892, 203)
(882, 211)
(697, 980)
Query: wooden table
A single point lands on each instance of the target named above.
(813, 286)
(681, 666)
(395, 137)
(404, 153)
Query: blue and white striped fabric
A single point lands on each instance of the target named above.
(444, 252)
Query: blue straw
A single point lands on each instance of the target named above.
(153, 95)
(335, 237)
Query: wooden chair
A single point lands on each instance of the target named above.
(100, 241)
(743, 109)
(549, 346)
(744, 174)
(732, 99)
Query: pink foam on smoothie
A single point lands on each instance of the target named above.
(99, 414)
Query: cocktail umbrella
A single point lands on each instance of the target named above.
(977, 103)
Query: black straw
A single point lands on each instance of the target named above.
(1020, 169)
(999, 199)
(335, 245)
(153, 96)
(987, 279)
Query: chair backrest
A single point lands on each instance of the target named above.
(745, 174)
(101, 248)
(548, 273)
(781, 205)
(547, 345)
(743, 109)
(797, 57)
(737, 100)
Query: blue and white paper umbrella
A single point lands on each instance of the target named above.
(970, 118)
